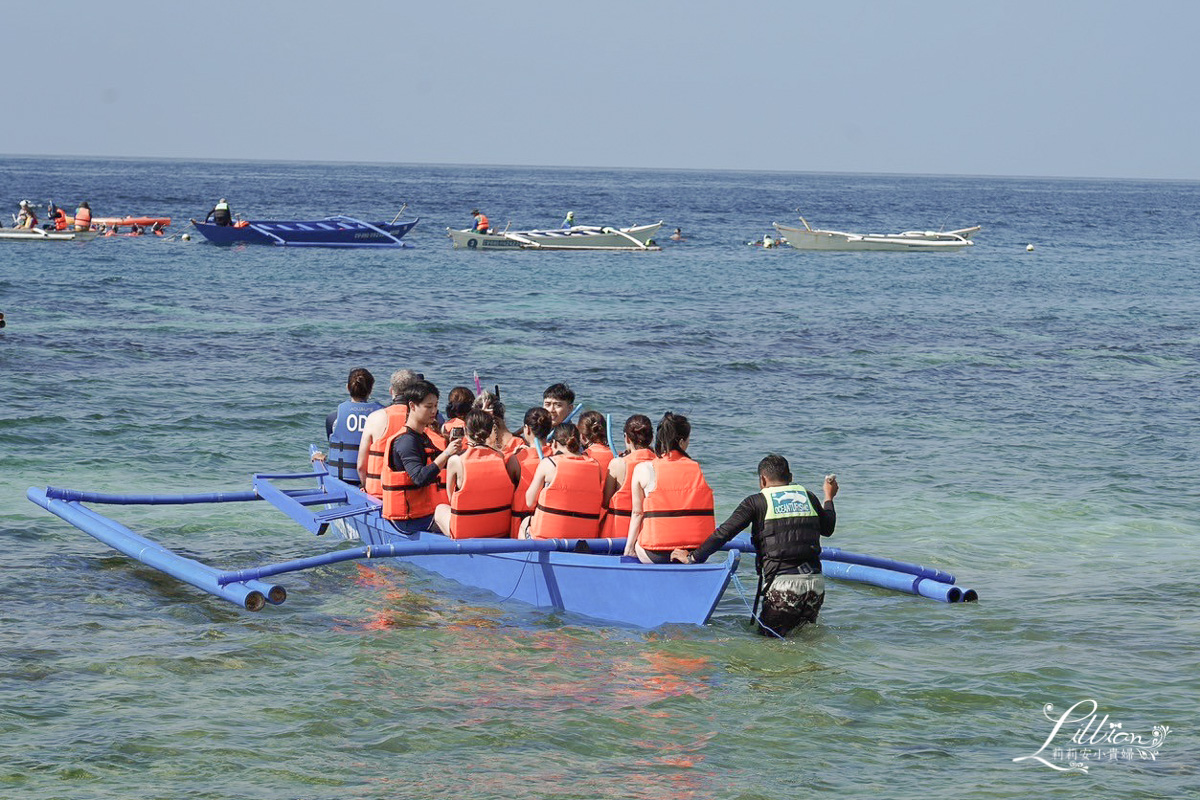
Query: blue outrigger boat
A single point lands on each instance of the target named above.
(585, 577)
(335, 231)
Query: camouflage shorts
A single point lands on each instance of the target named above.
(791, 601)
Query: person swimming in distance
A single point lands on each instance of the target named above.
(677, 236)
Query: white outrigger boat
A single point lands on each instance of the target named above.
(579, 237)
(40, 235)
(809, 238)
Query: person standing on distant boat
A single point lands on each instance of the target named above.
(569, 222)
(220, 214)
(83, 217)
(481, 221)
(26, 218)
(344, 427)
(786, 525)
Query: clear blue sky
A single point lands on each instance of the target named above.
(1056, 88)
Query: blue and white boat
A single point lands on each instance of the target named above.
(336, 231)
(582, 577)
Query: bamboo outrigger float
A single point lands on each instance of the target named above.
(587, 577)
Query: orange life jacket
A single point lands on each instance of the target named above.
(569, 508)
(482, 225)
(620, 505)
(601, 454)
(60, 219)
(397, 416)
(482, 504)
(83, 219)
(439, 444)
(679, 512)
(514, 444)
(402, 499)
(528, 459)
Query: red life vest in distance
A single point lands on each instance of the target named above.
(402, 499)
(83, 219)
(397, 416)
(620, 505)
(679, 512)
(527, 457)
(569, 508)
(482, 225)
(601, 454)
(482, 504)
(60, 219)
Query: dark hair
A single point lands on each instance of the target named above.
(775, 468)
(360, 383)
(479, 426)
(538, 420)
(592, 428)
(417, 391)
(458, 402)
(559, 391)
(640, 430)
(673, 429)
(566, 434)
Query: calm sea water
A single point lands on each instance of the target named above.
(1025, 420)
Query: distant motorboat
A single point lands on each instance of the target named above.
(579, 237)
(809, 238)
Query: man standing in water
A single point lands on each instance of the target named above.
(786, 525)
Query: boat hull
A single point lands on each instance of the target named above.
(580, 237)
(596, 586)
(910, 241)
(38, 235)
(329, 232)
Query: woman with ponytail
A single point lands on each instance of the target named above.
(479, 485)
(671, 500)
(618, 488)
(566, 491)
(595, 439)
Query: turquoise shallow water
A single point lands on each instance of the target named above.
(1024, 420)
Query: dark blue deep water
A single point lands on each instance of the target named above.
(1026, 420)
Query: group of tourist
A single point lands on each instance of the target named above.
(26, 217)
(466, 474)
